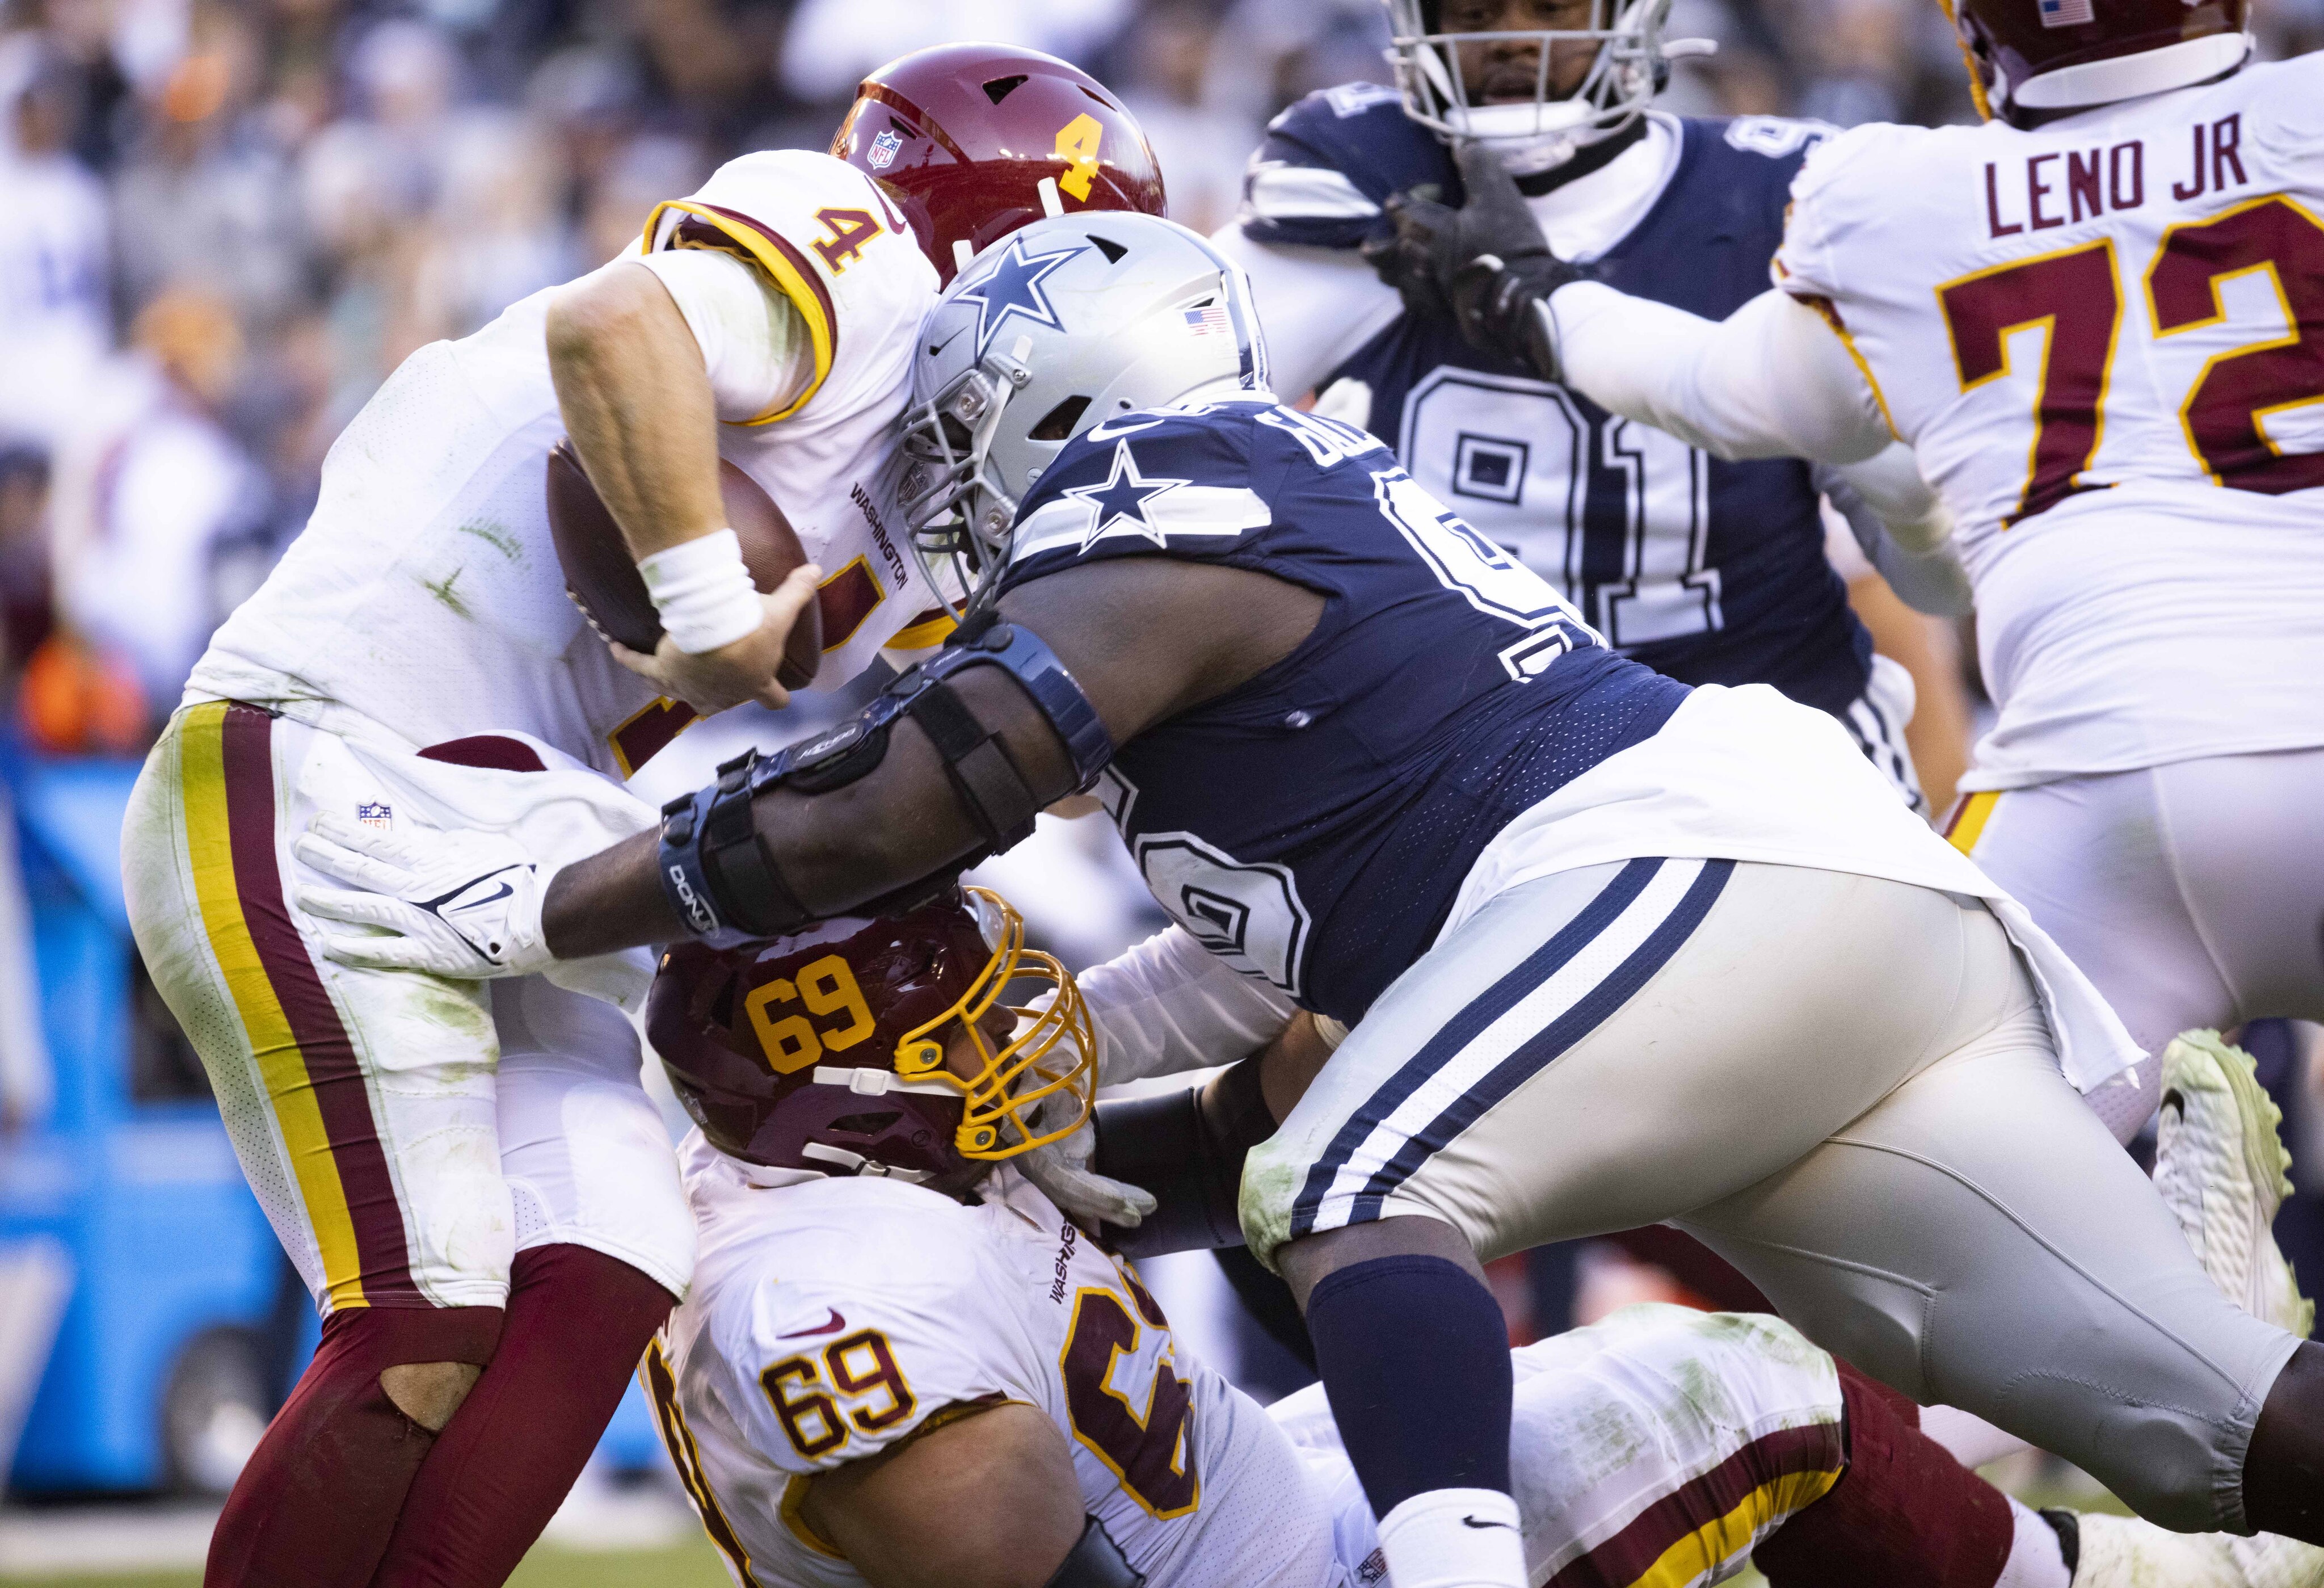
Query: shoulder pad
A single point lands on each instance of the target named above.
(1146, 476)
(1326, 163)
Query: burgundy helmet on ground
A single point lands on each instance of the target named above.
(828, 1049)
(963, 135)
(2031, 60)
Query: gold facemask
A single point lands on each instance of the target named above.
(1051, 1053)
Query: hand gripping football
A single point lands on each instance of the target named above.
(605, 582)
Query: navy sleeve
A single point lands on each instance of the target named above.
(1326, 164)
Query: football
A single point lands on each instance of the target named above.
(604, 582)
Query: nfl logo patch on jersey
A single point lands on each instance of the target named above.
(2065, 14)
(382, 817)
(884, 146)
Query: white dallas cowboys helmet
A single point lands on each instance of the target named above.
(1072, 321)
(1632, 64)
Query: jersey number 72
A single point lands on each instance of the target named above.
(2073, 293)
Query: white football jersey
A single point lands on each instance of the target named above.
(830, 1317)
(2105, 340)
(425, 596)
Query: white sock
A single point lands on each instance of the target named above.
(2036, 1559)
(1457, 1538)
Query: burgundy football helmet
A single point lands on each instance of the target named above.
(2031, 60)
(962, 136)
(827, 1049)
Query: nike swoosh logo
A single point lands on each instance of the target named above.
(833, 1327)
(1475, 1522)
(1110, 429)
(487, 899)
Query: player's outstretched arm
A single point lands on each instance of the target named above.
(640, 407)
(986, 1500)
(1144, 637)
(1771, 381)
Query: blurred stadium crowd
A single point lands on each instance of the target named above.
(232, 218)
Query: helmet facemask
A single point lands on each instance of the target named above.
(1630, 67)
(1051, 1052)
(957, 508)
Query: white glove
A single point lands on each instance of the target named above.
(1062, 1171)
(463, 904)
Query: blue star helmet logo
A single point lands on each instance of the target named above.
(1013, 286)
(1121, 498)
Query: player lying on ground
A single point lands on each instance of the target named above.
(2064, 312)
(1708, 571)
(471, 1182)
(901, 1364)
(1612, 951)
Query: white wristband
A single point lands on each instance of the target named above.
(702, 592)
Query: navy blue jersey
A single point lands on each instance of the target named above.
(1314, 826)
(1713, 572)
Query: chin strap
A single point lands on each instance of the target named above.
(1095, 1561)
(724, 885)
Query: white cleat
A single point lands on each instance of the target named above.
(2124, 1552)
(2220, 1168)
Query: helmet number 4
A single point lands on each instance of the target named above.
(1077, 141)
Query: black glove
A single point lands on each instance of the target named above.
(1486, 264)
(1403, 255)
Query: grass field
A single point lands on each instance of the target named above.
(692, 1565)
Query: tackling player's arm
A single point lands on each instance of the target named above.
(635, 385)
(1144, 637)
(1771, 380)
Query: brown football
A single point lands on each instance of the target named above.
(604, 582)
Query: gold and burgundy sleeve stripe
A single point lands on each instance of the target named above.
(729, 231)
(1966, 826)
(314, 1080)
(845, 600)
(1687, 1534)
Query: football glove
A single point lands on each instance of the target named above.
(1061, 1169)
(1485, 264)
(460, 904)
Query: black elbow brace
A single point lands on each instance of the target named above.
(1187, 1147)
(1095, 1561)
(722, 882)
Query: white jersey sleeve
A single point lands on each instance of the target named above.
(754, 342)
(823, 237)
(1317, 306)
(1168, 1005)
(833, 1355)
(1771, 380)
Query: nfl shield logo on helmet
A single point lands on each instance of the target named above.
(381, 816)
(2065, 14)
(884, 146)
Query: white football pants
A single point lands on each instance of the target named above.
(2192, 893)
